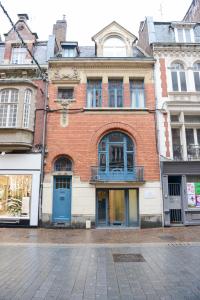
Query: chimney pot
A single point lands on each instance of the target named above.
(23, 17)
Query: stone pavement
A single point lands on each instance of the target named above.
(100, 236)
(61, 272)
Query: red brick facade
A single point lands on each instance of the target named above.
(163, 77)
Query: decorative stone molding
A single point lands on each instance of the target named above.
(71, 75)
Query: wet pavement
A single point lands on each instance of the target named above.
(60, 264)
(100, 236)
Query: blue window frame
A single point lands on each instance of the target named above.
(115, 88)
(137, 93)
(116, 156)
(63, 164)
(94, 93)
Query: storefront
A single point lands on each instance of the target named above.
(181, 193)
(19, 188)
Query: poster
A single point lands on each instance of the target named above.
(193, 192)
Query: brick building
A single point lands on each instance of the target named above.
(102, 163)
(176, 49)
(193, 13)
(22, 104)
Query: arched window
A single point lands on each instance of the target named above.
(114, 47)
(8, 107)
(116, 153)
(196, 71)
(63, 164)
(27, 104)
(178, 77)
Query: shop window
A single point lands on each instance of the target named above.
(15, 196)
(65, 93)
(63, 164)
(178, 77)
(137, 93)
(27, 105)
(115, 88)
(8, 107)
(94, 93)
(196, 72)
(193, 191)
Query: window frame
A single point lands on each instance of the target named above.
(115, 91)
(178, 71)
(184, 35)
(18, 58)
(135, 91)
(94, 90)
(196, 76)
(114, 49)
(27, 107)
(9, 106)
(68, 88)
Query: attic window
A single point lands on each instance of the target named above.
(69, 52)
(114, 47)
(18, 55)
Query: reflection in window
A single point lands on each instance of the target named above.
(15, 195)
(114, 47)
(115, 93)
(19, 55)
(178, 77)
(137, 93)
(94, 93)
(8, 107)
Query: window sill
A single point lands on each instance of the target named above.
(93, 109)
(61, 101)
(184, 93)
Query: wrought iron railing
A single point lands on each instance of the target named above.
(135, 174)
(193, 152)
(178, 152)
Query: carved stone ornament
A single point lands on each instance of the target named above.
(60, 75)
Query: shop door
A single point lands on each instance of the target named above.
(62, 199)
(175, 205)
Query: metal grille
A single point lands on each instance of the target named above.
(175, 216)
(174, 189)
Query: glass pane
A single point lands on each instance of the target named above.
(133, 207)
(102, 161)
(129, 144)
(174, 81)
(15, 195)
(116, 137)
(102, 145)
(176, 144)
(183, 81)
(180, 35)
(192, 118)
(187, 36)
(117, 207)
(116, 156)
(197, 81)
(198, 136)
(189, 136)
(101, 206)
(129, 162)
(63, 164)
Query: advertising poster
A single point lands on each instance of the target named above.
(191, 194)
(197, 192)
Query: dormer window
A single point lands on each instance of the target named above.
(114, 47)
(69, 52)
(18, 55)
(184, 34)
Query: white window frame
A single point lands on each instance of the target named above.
(178, 71)
(69, 52)
(184, 35)
(114, 50)
(27, 106)
(196, 70)
(8, 108)
(18, 55)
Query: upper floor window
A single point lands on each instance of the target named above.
(27, 105)
(137, 93)
(69, 52)
(114, 47)
(94, 93)
(115, 87)
(196, 70)
(178, 77)
(8, 107)
(18, 55)
(184, 35)
(63, 163)
(65, 93)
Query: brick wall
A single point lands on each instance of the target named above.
(79, 140)
(163, 77)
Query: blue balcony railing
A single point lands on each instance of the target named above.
(135, 174)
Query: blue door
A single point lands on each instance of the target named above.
(62, 199)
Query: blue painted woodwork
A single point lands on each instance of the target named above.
(62, 199)
(94, 93)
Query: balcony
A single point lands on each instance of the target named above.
(100, 174)
(15, 139)
(193, 152)
(178, 152)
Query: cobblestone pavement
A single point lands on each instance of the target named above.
(100, 236)
(49, 272)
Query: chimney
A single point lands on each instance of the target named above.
(23, 17)
(59, 30)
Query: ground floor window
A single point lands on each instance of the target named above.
(15, 195)
(117, 207)
(193, 191)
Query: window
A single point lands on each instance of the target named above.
(193, 142)
(174, 118)
(137, 93)
(176, 144)
(114, 47)
(184, 35)
(178, 77)
(8, 107)
(18, 55)
(65, 93)
(94, 93)
(196, 72)
(115, 93)
(63, 164)
(27, 104)
(116, 153)
(69, 52)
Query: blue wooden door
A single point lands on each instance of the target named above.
(62, 199)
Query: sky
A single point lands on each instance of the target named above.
(87, 17)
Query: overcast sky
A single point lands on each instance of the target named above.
(86, 17)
